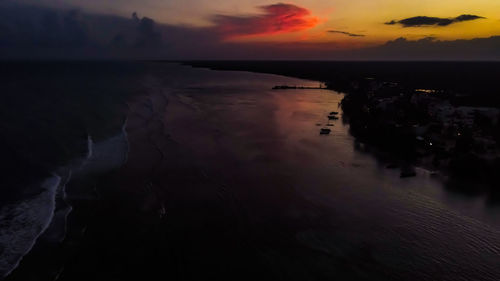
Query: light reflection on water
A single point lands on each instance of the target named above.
(248, 118)
(241, 130)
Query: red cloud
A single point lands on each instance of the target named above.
(277, 18)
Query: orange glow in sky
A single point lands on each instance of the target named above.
(276, 19)
(346, 22)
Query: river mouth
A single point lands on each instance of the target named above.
(226, 178)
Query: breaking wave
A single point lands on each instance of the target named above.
(44, 215)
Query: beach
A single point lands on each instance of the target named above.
(220, 177)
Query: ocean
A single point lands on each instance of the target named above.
(152, 170)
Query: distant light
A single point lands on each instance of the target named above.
(430, 143)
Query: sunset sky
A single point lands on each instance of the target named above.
(317, 17)
(323, 24)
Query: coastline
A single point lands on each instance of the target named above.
(52, 127)
(98, 161)
(220, 182)
(22, 214)
(77, 199)
(408, 140)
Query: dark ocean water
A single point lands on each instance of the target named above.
(51, 115)
(236, 179)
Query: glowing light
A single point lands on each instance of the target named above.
(277, 18)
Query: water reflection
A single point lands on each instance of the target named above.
(267, 145)
(264, 129)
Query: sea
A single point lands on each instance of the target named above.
(234, 177)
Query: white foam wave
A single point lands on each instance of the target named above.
(89, 146)
(56, 232)
(23, 222)
(104, 156)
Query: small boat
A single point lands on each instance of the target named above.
(325, 131)
(334, 113)
(333, 117)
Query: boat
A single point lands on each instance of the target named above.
(332, 117)
(334, 113)
(325, 131)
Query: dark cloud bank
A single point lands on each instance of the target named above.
(28, 32)
(346, 33)
(432, 21)
(432, 49)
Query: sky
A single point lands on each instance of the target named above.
(311, 26)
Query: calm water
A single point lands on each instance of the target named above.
(344, 211)
(234, 122)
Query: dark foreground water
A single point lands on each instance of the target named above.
(195, 174)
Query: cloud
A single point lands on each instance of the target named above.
(148, 36)
(432, 21)
(37, 32)
(430, 48)
(43, 28)
(28, 32)
(277, 18)
(346, 33)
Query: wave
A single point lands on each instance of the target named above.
(104, 156)
(22, 223)
(44, 215)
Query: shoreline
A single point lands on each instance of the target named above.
(207, 193)
(56, 228)
(77, 199)
(11, 252)
(401, 143)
